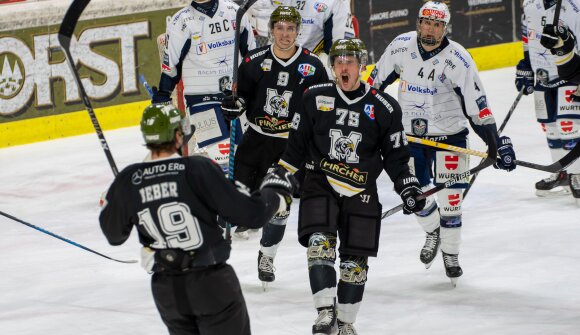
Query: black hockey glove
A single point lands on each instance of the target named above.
(233, 108)
(408, 188)
(525, 77)
(506, 159)
(280, 181)
(558, 39)
(160, 97)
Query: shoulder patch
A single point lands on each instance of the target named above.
(257, 54)
(306, 70)
(382, 99)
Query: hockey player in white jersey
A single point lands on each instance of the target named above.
(200, 51)
(440, 93)
(555, 109)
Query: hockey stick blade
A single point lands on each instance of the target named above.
(557, 166)
(64, 239)
(65, 33)
(491, 157)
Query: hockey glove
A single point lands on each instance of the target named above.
(232, 107)
(160, 97)
(507, 156)
(282, 182)
(408, 188)
(525, 77)
(558, 39)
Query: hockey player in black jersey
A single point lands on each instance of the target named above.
(270, 85)
(351, 132)
(173, 202)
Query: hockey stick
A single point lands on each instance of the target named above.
(492, 154)
(557, 12)
(233, 124)
(65, 33)
(64, 239)
(499, 131)
(557, 166)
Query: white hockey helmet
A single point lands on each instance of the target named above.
(436, 11)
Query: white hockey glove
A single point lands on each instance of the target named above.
(147, 259)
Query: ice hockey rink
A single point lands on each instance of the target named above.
(520, 253)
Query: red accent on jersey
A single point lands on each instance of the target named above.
(451, 162)
(567, 126)
(485, 113)
(165, 68)
(247, 60)
(568, 94)
(454, 199)
(224, 148)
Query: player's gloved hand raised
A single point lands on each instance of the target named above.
(232, 107)
(525, 77)
(506, 159)
(160, 97)
(280, 181)
(558, 39)
(409, 189)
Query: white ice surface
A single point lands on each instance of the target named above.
(520, 253)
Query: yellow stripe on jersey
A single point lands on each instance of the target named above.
(343, 188)
(288, 166)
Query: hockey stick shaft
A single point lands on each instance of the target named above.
(64, 37)
(64, 239)
(554, 167)
(557, 12)
(234, 123)
(499, 131)
(492, 150)
(447, 147)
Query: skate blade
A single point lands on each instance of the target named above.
(428, 265)
(265, 286)
(555, 192)
(454, 281)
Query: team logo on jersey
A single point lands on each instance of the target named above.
(12, 76)
(266, 65)
(419, 127)
(484, 112)
(451, 162)
(201, 48)
(567, 126)
(224, 148)
(196, 36)
(454, 199)
(277, 104)
(272, 125)
(343, 148)
(306, 70)
(413, 55)
(320, 7)
(344, 171)
(324, 103)
(225, 84)
(436, 61)
(370, 111)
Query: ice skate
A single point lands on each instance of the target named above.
(575, 187)
(430, 249)
(555, 185)
(265, 269)
(242, 233)
(326, 323)
(345, 328)
(452, 268)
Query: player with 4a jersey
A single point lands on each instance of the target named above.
(333, 138)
